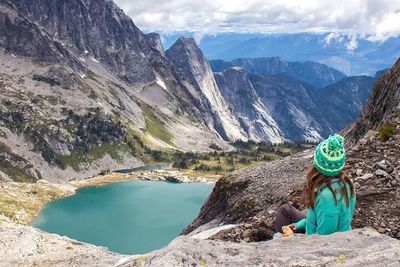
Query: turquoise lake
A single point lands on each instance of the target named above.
(129, 218)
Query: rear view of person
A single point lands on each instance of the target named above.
(329, 195)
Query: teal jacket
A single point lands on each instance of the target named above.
(327, 216)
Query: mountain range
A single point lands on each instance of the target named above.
(349, 54)
(94, 92)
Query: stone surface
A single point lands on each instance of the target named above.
(361, 247)
(26, 246)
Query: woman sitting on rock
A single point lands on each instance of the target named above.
(329, 194)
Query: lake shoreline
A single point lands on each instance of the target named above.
(153, 212)
(22, 202)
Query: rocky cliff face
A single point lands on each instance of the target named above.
(383, 105)
(23, 37)
(253, 115)
(351, 95)
(155, 42)
(296, 106)
(315, 74)
(190, 61)
(301, 111)
(104, 32)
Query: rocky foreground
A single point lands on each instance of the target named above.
(25, 246)
(363, 247)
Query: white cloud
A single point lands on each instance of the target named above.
(373, 19)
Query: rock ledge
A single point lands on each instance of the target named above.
(361, 247)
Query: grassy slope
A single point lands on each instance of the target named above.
(155, 127)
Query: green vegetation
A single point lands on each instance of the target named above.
(246, 154)
(78, 157)
(215, 147)
(90, 136)
(14, 166)
(22, 201)
(155, 127)
(386, 131)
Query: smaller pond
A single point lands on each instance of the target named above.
(129, 218)
(146, 168)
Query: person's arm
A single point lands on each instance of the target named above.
(308, 224)
(326, 212)
(300, 226)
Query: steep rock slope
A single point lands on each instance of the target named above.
(297, 107)
(189, 60)
(87, 94)
(313, 73)
(155, 42)
(253, 115)
(350, 95)
(382, 105)
(104, 32)
(252, 196)
(22, 37)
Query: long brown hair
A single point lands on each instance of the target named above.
(316, 181)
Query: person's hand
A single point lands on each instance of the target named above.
(293, 227)
(287, 230)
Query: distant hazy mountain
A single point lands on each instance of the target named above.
(312, 73)
(367, 58)
(300, 110)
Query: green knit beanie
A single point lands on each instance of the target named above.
(330, 156)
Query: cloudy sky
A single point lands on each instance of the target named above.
(376, 19)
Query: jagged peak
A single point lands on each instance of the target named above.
(155, 42)
(187, 41)
(187, 45)
(187, 55)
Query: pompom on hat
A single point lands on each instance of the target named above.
(330, 156)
